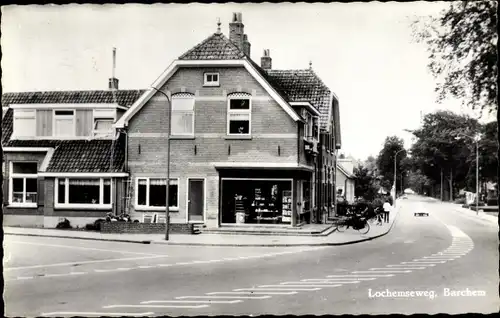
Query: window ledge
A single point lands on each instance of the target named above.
(22, 205)
(83, 206)
(211, 85)
(155, 209)
(181, 137)
(236, 137)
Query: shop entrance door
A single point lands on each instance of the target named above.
(196, 200)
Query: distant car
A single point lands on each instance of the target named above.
(421, 211)
(404, 197)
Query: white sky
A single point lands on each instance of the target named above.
(363, 51)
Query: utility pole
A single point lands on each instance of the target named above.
(441, 194)
(169, 121)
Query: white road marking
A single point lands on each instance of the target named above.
(253, 293)
(313, 285)
(24, 277)
(104, 314)
(165, 265)
(385, 268)
(224, 297)
(146, 266)
(326, 281)
(441, 257)
(156, 306)
(55, 275)
(336, 279)
(372, 275)
(406, 265)
(82, 262)
(434, 259)
(389, 271)
(423, 263)
(266, 288)
(107, 270)
(85, 248)
(183, 263)
(78, 273)
(193, 301)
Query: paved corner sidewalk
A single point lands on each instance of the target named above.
(350, 236)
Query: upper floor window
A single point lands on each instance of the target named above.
(239, 114)
(64, 123)
(103, 122)
(182, 115)
(211, 79)
(24, 122)
(23, 183)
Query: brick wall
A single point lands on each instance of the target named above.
(274, 135)
(145, 228)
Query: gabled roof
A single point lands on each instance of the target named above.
(215, 47)
(304, 85)
(342, 169)
(121, 97)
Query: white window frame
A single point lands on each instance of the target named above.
(103, 114)
(178, 97)
(24, 114)
(206, 82)
(23, 176)
(67, 205)
(239, 112)
(146, 207)
(54, 119)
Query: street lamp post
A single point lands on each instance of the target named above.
(169, 121)
(476, 141)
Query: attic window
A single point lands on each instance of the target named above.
(103, 122)
(211, 79)
(24, 122)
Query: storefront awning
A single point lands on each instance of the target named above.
(262, 165)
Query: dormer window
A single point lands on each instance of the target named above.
(211, 79)
(24, 122)
(64, 123)
(103, 122)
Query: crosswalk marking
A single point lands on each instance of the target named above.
(388, 271)
(363, 275)
(271, 288)
(337, 279)
(192, 301)
(224, 297)
(313, 285)
(156, 306)
(254, 293)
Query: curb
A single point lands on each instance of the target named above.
(213, 244)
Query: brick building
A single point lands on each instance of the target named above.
(248, 144)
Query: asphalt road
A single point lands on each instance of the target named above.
(436, 257)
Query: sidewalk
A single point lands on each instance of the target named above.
(482, 215)
(350, 236)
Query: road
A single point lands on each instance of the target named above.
(436, 257)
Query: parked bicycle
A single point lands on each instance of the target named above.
(356, 221)
(374, 216)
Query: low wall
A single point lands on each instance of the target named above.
(145, 228)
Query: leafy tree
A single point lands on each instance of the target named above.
(365, 183)
(418, 182)
(385, 160)
(488, 155)
(438, 154)
(462, 46)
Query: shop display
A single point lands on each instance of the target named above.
(239, 208)
(287, 206)
(265, 208)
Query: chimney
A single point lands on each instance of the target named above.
(236, 30)
(113, 81)
(246, 45)
(266, 61)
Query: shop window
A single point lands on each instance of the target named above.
(23, 187)
(239, 115)
(151, 194)
(24, 124)
(64, 123)
(256, 201)
(182, 115)
(83, 193)
(211, 79)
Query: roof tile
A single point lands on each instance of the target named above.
(215, 47)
